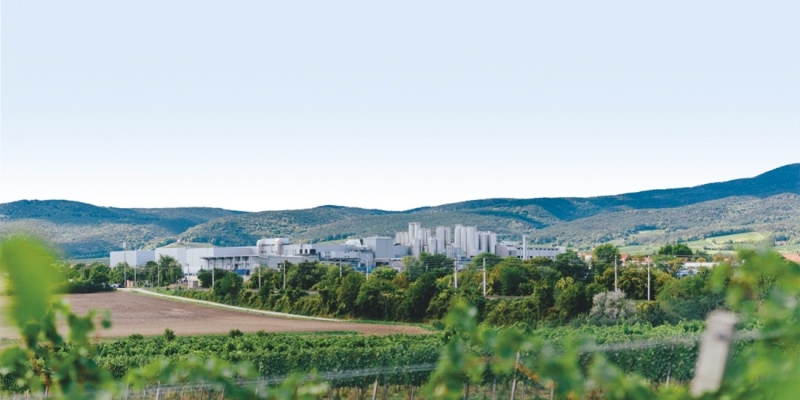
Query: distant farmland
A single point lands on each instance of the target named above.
(148, 315)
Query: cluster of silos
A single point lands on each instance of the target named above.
(467, 241)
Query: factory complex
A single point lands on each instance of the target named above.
(460, 244)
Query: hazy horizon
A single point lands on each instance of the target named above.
(258, 106)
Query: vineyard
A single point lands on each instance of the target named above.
(467, 358)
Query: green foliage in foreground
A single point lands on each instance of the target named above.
(763, 290)
(279, 355)
(66, 366)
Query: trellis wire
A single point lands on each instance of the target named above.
(264, 383)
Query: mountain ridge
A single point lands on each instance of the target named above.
(83, 229)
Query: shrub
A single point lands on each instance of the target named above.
(234, 333)
(612, 305)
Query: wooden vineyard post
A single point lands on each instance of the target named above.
(514, 381)
(715, 346)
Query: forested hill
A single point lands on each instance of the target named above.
(781, 180)
(541, 217)
(73, 212)
(772, 198)
(85, 230)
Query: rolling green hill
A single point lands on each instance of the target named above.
(768, 204)
(84, 230)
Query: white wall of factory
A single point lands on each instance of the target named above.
(515, 249)
(134, 258)
(464, 242)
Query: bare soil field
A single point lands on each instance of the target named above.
(150, 315)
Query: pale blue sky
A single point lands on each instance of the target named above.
(258, 105)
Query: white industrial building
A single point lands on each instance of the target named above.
(134, 258)
(526, 251)
(361, 253)
(464, 243)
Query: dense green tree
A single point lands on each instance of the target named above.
(305, 274)
(413, 267)
(326, 288)
(228, 287)
(418, 296)
(691, 297)
(439, 264)
(544, 284)
(510, 278)
(79, 271)
(491, 260)
(569, 264)
(384, 273)
(120, 272)
(377, 299)
(100, 274)
(633, 281)
(678, 249)
(513, 311)
(347, 292)
(168, 270)
(443, 300)
(570, 298)
(539, 261)
(208, 277)
(604, 257)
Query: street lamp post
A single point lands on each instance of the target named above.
(484, 276)
(648, 278)
(455, 274)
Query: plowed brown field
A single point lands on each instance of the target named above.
(150, 315)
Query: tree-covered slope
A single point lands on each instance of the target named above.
(785, 179)
(768, 203)
(85, 230)
(778, 215)
(561, 220)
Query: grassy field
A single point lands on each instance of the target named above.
(789, 248)
(726, 244)
(639, 250)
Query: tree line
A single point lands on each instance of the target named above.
(538, 290)
(98, 277)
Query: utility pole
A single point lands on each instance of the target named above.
(284, 275)
(648, 278)
(125, 267)
(455, 274)
(484, 276)
(616, 289)
(524, 247)
(212, 276)
(259, 278)
(340, 268)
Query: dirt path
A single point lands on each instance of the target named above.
(150, 315)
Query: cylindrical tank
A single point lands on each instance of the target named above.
(278, 247)
(259, 247)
